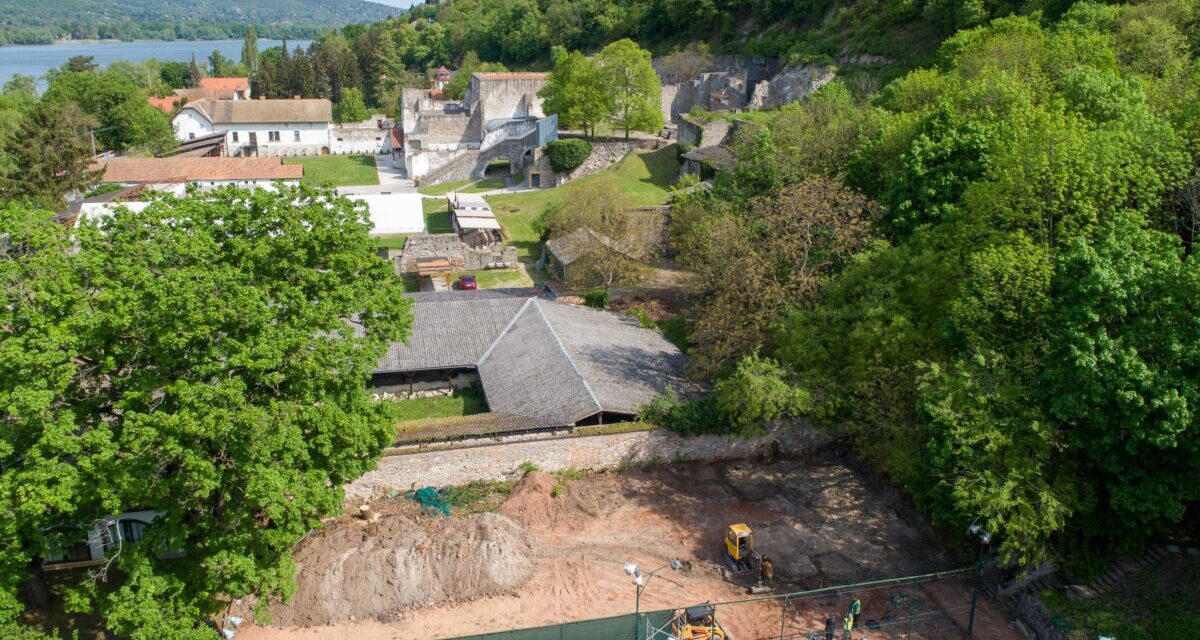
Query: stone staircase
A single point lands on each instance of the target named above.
(1035, 621)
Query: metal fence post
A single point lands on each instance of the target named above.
(912, 603)
(782, 615)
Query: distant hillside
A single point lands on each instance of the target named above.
(39, 21)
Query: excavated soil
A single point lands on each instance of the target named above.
(367, 570)
(552, 556)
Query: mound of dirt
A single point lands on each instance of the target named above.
(359, 571)
(533, 504)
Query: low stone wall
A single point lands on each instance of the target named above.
(500, 461)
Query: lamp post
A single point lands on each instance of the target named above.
(984, 539)
(641, 580)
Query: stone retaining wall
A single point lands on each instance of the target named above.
(500, 461)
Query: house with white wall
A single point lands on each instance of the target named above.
(297, 127)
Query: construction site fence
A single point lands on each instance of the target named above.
(908, 608)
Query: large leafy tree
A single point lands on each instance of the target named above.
(126, 120)
(633, 87)
(205, 358)
(577, 92)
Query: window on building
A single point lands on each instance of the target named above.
(273, 136)
(295, 136)
(235, 136)
(191, 136)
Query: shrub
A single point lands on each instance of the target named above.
(567, 154)
(596, 298)
(686, 417)
(755, 393)
(527, 468)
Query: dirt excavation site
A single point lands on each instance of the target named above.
(551, 549)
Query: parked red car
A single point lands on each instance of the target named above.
(467, 283)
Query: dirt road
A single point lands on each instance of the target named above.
(822, 523)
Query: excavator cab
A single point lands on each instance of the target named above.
(740, 556)
(739, 542)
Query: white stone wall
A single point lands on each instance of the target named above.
(500, 461)
(314, 138)
(189, 125)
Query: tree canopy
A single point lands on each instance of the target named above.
(205, 358)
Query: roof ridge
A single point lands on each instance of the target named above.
(567, 355)
(505, 330)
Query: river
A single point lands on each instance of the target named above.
(36, 59)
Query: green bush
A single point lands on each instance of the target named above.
(527, 467)
(686, 417)
(567, 154)
(756, 393)
(596, 298)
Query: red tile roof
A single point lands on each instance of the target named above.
(178, 169)
(166, 105)
(225, 84)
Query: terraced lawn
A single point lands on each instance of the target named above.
(645, 175)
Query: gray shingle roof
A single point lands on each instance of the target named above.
(625, 364)
(452, 329)
(556, 363)
(527, 372)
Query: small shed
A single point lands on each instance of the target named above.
(474, 221)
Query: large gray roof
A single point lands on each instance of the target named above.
(553, 362)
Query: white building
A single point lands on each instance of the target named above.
(298, 127)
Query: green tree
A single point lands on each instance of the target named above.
(1122, 375)
(80, 64)
(206, 358)
(633, 86)
(50, 153)
(21, 84)
(577, 92)
(175, 74)
(250, 49)
(757, 392)
(194, 73)
(351, 108)
(218, 64)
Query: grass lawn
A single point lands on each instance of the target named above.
(498, 278)
(339, 171)
(1148, 607)
(437, 216)
(464, 402)
(393, 241)
(490, 184)
(443, 188)
(644, 175)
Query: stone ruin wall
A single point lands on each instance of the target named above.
(461, 256)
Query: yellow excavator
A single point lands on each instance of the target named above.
(743, 565)
(740, 555)
(697, 623)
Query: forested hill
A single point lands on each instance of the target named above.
(36, 21)
(522, 32)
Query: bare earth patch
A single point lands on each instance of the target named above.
(822, 523)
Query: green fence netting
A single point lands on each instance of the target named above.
(629, 627)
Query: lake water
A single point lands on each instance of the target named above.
(36, 59)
